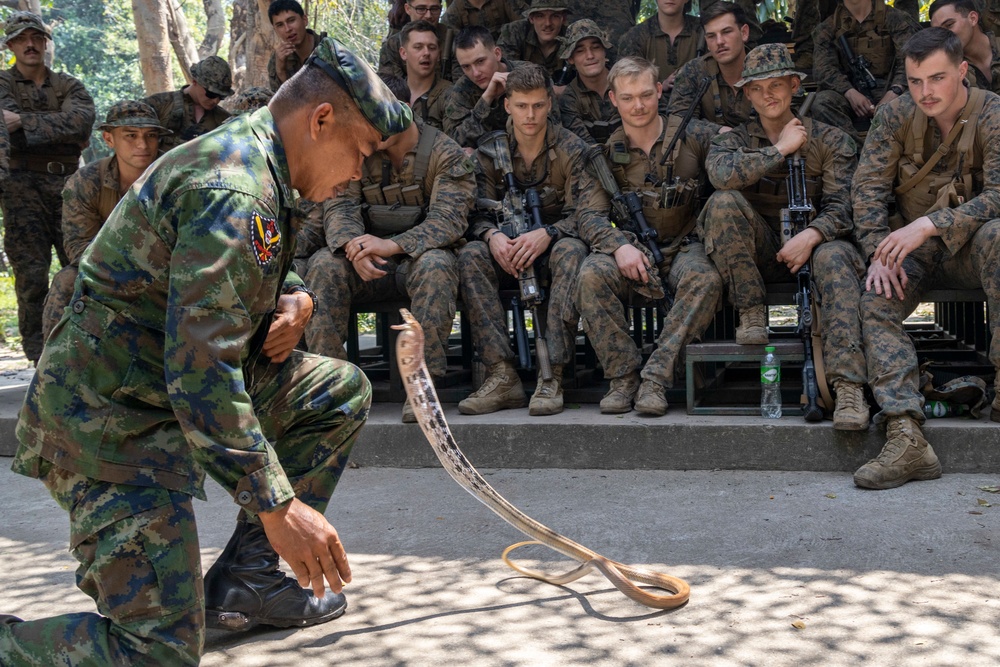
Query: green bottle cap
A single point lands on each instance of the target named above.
(769, 348)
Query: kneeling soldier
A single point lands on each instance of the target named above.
(742, 227)
(669, 205)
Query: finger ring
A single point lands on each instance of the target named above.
(361, 246)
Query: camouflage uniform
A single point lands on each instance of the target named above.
(989, 15)
(427, 273)
(430, 106)
(614, 16)
(965, 255)
(742, 228)
(390, 62)
(249, 100)
(988, 80)
(292, 62)
(648, 41)
(720, 105)
(176, 109)
(690, 275)
(56, 119)
(880, 38)
(576, 206)
(586, 113)
(749, 9)
(493, 14)
(155, 376)
(518, 40)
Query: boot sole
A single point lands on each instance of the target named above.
(506, 405)
(849, 426)
(236, 621)
(537, 412)
(652, 412)
(918, 475)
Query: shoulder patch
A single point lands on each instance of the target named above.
(266, 238)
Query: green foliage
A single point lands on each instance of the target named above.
(360, 24)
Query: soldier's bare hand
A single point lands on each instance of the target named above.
(886, 281)
(799, 249)
(290, 319)
(793, 137)
(12, 120)
(528, 247)
(668, 83)
(502, 249)
(888, 97)
(309, 544)
(896, 246)
(860, 105)
(367, 245)
(496, 87)
(632, 263)
(368, 267)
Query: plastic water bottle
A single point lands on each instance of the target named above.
(936, 409)
(770, 384)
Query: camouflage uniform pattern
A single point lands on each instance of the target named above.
(988, 80)
(427, 274)
(156, 376)
(248, 101)
(614, 16)
(292, 62)
(518, 40)
(647, 40)
(390, 62)
(56, 119)
(493, 15)
(581, 108)
(743, 243)
(572, 202)
(720, 105)
(175, 110)
(989, 15)
(430, 107)
(690, 276)
(966, 254)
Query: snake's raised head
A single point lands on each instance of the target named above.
(410, 342)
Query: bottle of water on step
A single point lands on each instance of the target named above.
(770, 384)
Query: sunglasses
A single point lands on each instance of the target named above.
(213, 96)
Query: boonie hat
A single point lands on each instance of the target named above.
(377, 103)
(768, 61)
(543, 5)
(249, 100)
(132, 113)
(18, 22)
(578, 30)
(214, 75)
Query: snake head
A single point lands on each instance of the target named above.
(409, 322)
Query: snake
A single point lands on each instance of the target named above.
(430, 416)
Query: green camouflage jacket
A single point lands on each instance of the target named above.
(292, 63)
(176, 113)
(493, 14)
(648, 41)
(82, 216)
(519, 41)
(56, 117)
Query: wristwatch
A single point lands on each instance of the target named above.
(552, 232)
(896, 88)
(306, 290)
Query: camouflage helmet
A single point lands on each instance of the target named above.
(545, 5)
(578, 30)
(132, 113)
(249, 100)
(18, 22)
(375, 101)
(768, 61)
(213, 74)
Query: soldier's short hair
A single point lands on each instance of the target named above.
(312, 86)
(526, 78)
(721, 9)
(397, 85)
(963, 7)
(931, 40)
(631, 67)
(278, 6)
(415, 26)
(469, 36)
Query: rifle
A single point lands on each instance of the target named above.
(516, 221)
(794, 219)
(685, 119)
(860, 76)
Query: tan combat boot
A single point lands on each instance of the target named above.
(548, 396)
(753, 326)
(906, 455)
(619, 397)
(851, 412)
(652, 399)
(502, 390)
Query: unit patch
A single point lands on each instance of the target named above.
(266, 238)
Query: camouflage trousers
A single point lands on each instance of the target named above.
(59, 296)
(482, 279)
(430, 281)
(32, 221)
(138, 546)
(892, 360)
(743, 247)
(602, 290)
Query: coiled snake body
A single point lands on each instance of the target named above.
(423, 399)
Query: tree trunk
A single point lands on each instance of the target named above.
(215, 29)
(251, 42)
(154, 44)
(180, 37)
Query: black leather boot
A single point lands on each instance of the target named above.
(245, 588)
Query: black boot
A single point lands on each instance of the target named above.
(245, 588)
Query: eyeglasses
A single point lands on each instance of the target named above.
(425, 9)
(213, 96)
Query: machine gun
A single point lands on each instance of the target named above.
(860, 76)
(794, 219)
(521, 212)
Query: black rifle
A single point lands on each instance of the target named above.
(860, 76)
(794, 219)
(668, 153)
(516, 221)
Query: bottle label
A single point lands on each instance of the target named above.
(770, 374)
(937, 409)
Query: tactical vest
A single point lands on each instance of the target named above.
(873, 43)
(770, 194)
(711, 101)
(669, 207)
(67, 154)
(591, 114)
(961, 168)
(392, 208)
(107, 199)
(550, 186)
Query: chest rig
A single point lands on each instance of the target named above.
(712, 108)
(550, 185)
(770, 194)
(869, 39)
(391, 208)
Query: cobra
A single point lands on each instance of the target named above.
(430, 416)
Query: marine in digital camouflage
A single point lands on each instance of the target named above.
(293, 63)
(176, 111)
(491, 14)
(427, 272)
(390, 62)
(248, 101)
(647, 40)
(616, 17)
(518, 40)
(721, 105)
(430, 107)
(585, 111)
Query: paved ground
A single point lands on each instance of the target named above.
(902, 577)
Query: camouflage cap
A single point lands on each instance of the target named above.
(578, 30)
(768, 61)
(213, 74)
(543, 5)
(132, 113)
(249, 100)
(18, 22)
(377, 103)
